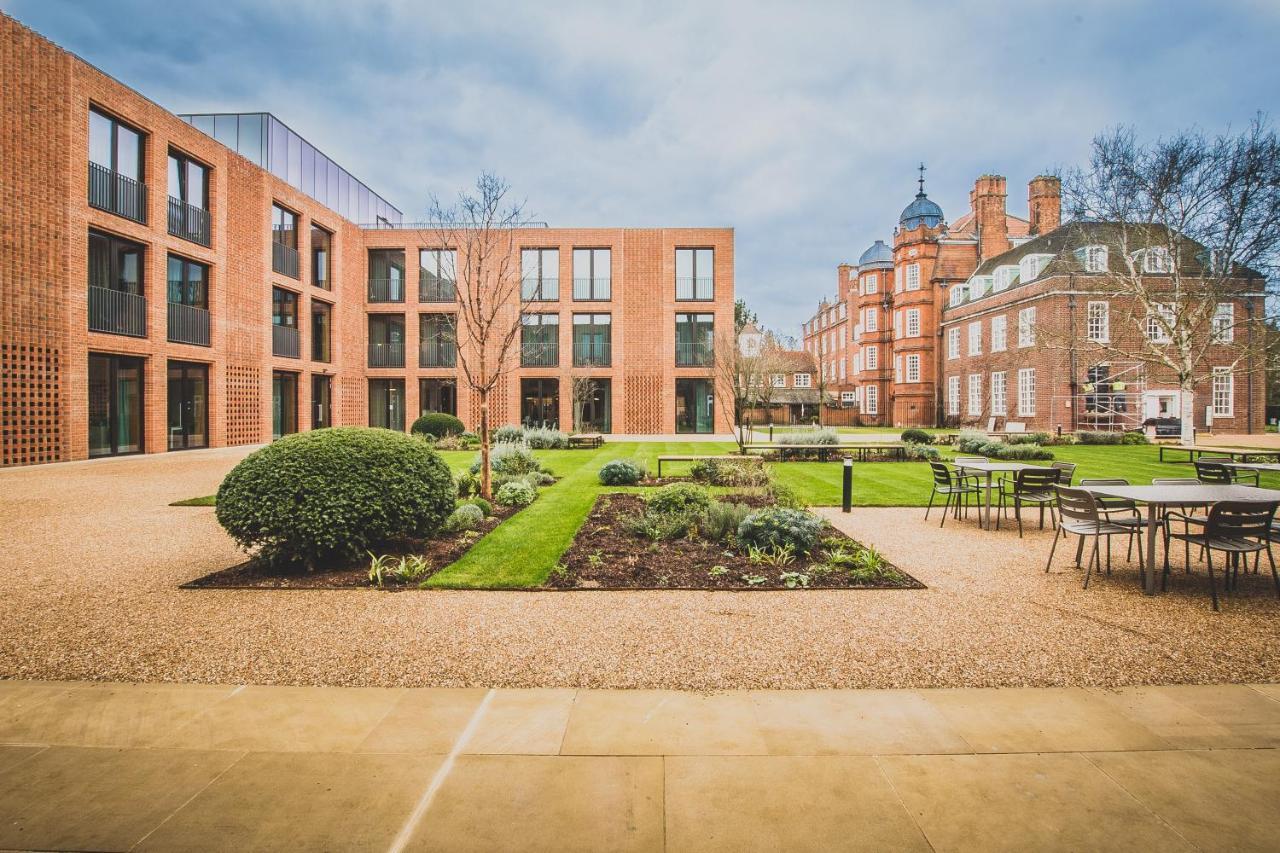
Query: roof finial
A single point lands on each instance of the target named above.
(922, 168)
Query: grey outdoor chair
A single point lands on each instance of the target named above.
(956, 488)
(1067, 469)
(1029, 486)
(1078, 514)
(1214, 469)
(1120, 511)
(1237, 528)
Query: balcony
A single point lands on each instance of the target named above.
(695, 289)
(591, 353)
(188, 324)
(694, 354)
(386, 354)
(540, 355)
(286, 341)
(592, 289)
(436, 290)
(188, 221)
(546, 290)
(113, 192)
(386, 290)
(117, 312)
(284, 259)
(437, 354)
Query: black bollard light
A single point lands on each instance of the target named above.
(846, 503)
(770, 433)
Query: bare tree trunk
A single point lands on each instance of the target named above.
(486, 476)
(1188, 410)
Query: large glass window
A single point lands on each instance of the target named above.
(284, 226)
(115, 405)
(592, 340)
(540, 403)
(188, 405)
(321, 249)
(592, 405)
(540, 274)
(436, 275)
(188, 180)
(115, 145)
(386, 403)
(695, 274)
(695, 336)
(438, 395)
(321, 401)
(284, 403)
(695, 405)
(321, 331)
(284, 308)
(436, 346)
(386, 340)
(188, 282)
(540, 340)
(386, 275)
(116, 303)
(592, 275)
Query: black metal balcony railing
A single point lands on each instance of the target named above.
(284, 259)
(547, 289)
(437, 354)
(386, 290)
(695, 288)
(436, 290)
(188, 324)
(117, 312)
(115, 193)
(539, 355)
(591, 353)
(188, 221)
(694, 354)
(592, 289)
(386, 354)
(286, 341)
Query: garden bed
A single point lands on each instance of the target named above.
(606, 555)
(438, 552)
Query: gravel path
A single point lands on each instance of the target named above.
(92, 558)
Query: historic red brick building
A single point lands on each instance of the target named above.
(170, 282)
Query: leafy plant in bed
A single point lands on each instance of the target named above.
(681, 536)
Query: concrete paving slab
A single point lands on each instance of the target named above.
(425, 720)
(1201, 716)
(523, 722)
(663, 722)
(853, 722)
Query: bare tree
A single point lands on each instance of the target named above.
(736, 375)
(1190, 222)
(582, 390)
(480, 227)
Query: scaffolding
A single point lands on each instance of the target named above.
(1109, 396)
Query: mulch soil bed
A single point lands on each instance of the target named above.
(605, 556)
(440, 552)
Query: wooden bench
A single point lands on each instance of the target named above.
(1195, 451)
(824, 451)
(589, 440)
(699, 458)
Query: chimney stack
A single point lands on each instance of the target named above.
(987, 200)
(1044, 202)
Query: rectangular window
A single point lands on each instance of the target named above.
(1095, 259)
(116, 301)
(188, 311)
(1223, 323)
(913, 367)
(321, 401)
(593, 406)
(975, 338)
(1027, 327)
(953, 342)
(873, 400)
(1157, 260)
(592, 340)
(913, 276)
(321, 331)
(188, 405)
(592, 274)
(1224, 397)
(779, 380)
(386, 275)
(695, 274)
(321, 248)
(695, 406)
(873, 357)
(1027, 392)
(1098, 327)
(1160, 322)
(871, 319)
(116, 167)
(386, 340)
(440, 395)
(953, 395)
(284, 241)
(847, 397)
(540, 402)
(436, 275)
(975, 395)
(115, 405)
(958, 295)
(436, 341)
(540, 340)
(999, 403)
(540, 275)
(913, 322)
(386, 404)
(871, 283)
(284, 403)
(897, 369)
(801, 380)
(998, 333)
(897, 323)
(188, 198)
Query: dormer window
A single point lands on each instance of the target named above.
(1030, 267)
(1004, 277)
(1093, 258)
(959, 294)
(1157, 260)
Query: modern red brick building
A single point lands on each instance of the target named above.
(171, 282)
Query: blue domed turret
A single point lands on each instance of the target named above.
(922, 211)
(879, 253)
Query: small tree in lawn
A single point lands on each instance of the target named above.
(481, 228)
(582, 389)
(1192, 222)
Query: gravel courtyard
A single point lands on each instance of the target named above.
(93, 556)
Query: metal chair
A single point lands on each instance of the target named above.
(1078, 514)
(1120, 511)
(1234, 527)
(1031, 486)
(1234, 475)
(951, 484)
(1213, 473)
(1067, 469)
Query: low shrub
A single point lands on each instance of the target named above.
(512, 458)
(484, 505)
(621, 472)
(539, 478)
(816, 436)
(437, 424)
(1089, 437)
(721, 520)
(1135, 437)
(916, 436)
(464, 517)
(468, 484)
(657, 525)
(683, 498)
(334, 494)
(517, 493)
(971, 441)
(729, 472)
(546, 439)
(780, 527)
(1027, 438)
(785, 496)
(1022, 452)
(921, 452)
(508, 432)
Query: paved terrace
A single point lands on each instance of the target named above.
(218, 767)
(91, 558)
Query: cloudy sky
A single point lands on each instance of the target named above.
(799, 124)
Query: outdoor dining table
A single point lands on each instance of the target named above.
(1160, 497)
(1252, 466)
(991, 469)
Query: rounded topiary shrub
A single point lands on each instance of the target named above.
(916, 436)
(320, 497)
(620, 472)
(517, 493)
(510, 458)
(464, 517)
(780, 527)
(438, 424)
(485, 506)
(679, 498)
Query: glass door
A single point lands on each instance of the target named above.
(695, 405)
(437, 395)
(594, 407)
(115, 405)
(188, 405)
(321, 402)
(540, 403)
(386, 403)
(284, 403)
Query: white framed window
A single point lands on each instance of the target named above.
(913, 322)
(999, 333)
(1030, 267)
(779, 380)
(871, 319)
(953, 342)
(981, 285)
(802, 380)
(999, 402)
(959, 294)
(873, 357)
(975, 394)
(1027, 392)
(1027, 327)
(953, 395)
(1098, 324)
(871, 283)
(847, 396)
(1094, 258)
(913, 367)
(1158, 331)
(1157, 260)
(1224, 392)
(975, 338)
(913, 276)
(1223, 323)
(873, 400)
(897, 323)
(843, 364)
(897, 369)
(1005, 276)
